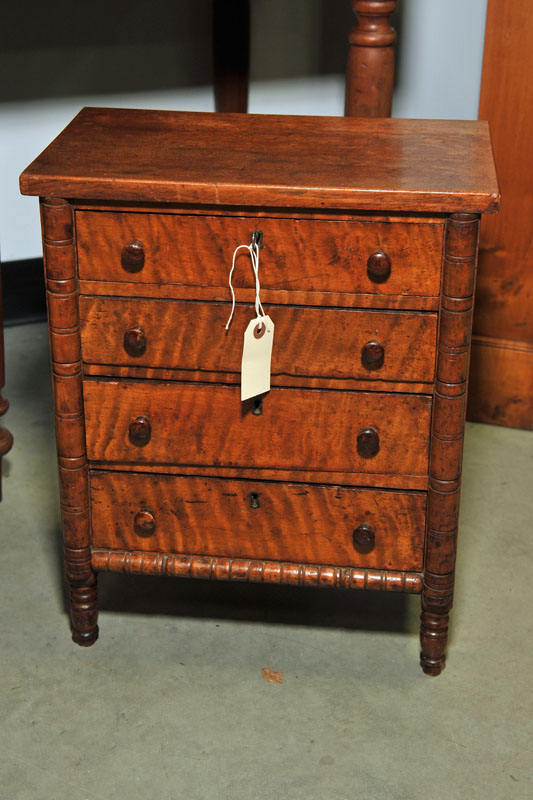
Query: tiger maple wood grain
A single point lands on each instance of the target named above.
(297, 255)
(269, 160)
(207, 424)
(309, 342)
(293, 521)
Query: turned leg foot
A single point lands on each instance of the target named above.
(84, 614)
(433, 638)
(82, 584)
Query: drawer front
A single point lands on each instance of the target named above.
(297, 255)
(255, 519)
(318, 343)
(206, 424)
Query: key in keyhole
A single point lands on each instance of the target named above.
(254, 500)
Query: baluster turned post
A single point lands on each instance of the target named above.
(370, 68)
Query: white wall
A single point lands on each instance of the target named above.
(438, 75)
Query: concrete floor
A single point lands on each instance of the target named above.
(171, 703)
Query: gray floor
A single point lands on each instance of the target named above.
(171, 703)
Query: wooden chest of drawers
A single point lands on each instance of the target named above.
(347, 472)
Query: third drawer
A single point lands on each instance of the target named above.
(197, 424)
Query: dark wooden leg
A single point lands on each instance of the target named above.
(370, 68)
(6, 439)
(60, 273)
(449, 410)
(231, 54)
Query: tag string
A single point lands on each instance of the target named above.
(253, 249)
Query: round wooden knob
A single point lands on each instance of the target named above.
(368, 442)
(133, 256)
(378, 267)
(372, 355)
(140, 430)
(144, 522)
(364, 538)
(135, 341)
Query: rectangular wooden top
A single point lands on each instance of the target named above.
(264, 160)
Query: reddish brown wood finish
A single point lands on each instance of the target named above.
(447, 436)
(224, 569)
(231, 54)
(6, 439)
(501, 377)
(316, 343)
(60, 272)
(254, 519)
(205, 424)
(408, 302)
(262, 160)
(301, 255)
(370, 68)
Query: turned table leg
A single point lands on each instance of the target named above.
(60, 274)
(449, 410)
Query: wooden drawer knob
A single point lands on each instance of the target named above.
(368, 442)
(135, 341)
(133, 256)
(364, 538)
(140, 430)
(144, 522)
(378, 267)
(372, 355)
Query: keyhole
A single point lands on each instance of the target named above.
(258, 406)
(257, 238)
(254, 500)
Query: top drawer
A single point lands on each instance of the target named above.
(326, 256)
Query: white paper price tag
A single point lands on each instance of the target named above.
(256, 356)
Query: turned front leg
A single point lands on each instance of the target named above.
(63, 322)
(447, 432)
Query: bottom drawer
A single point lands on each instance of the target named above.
(262, 520)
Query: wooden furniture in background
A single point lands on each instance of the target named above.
(501, 375)
(370, 67)
(6, 439)
(347, 472)
(231, 54)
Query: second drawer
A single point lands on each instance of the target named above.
(309, 342)
(260, 520)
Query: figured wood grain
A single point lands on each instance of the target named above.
(200, 424)
(280, 161)
(447, 434)
(377, 480)
(290, 521)
(319, 343)
(300, 255)
(60, 275)
(224, 569)
(355, 384)
(165, 291)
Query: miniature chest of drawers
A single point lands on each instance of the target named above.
(347, 472)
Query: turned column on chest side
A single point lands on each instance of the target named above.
(60, 275)
(449, 410)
